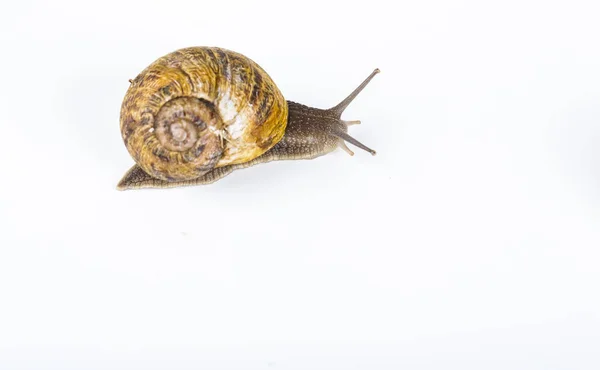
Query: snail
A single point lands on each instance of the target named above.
(197, 114)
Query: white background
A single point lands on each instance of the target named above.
(471, 241)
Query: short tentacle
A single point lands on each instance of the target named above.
(342, 144)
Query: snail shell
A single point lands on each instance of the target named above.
(200, 108)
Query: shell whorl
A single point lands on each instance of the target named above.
(200, 108)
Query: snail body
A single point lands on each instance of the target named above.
(196, 114)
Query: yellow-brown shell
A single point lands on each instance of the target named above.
(200, 108)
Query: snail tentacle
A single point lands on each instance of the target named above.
(344, 136)
(341, 132)
(339, 109)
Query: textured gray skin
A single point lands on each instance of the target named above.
(310, 133)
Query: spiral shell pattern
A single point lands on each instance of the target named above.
(200, 108)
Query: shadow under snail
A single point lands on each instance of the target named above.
(196, 114)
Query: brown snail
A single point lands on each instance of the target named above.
(196, 114)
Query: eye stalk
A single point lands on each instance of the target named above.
(337, 113)
(339, 109)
